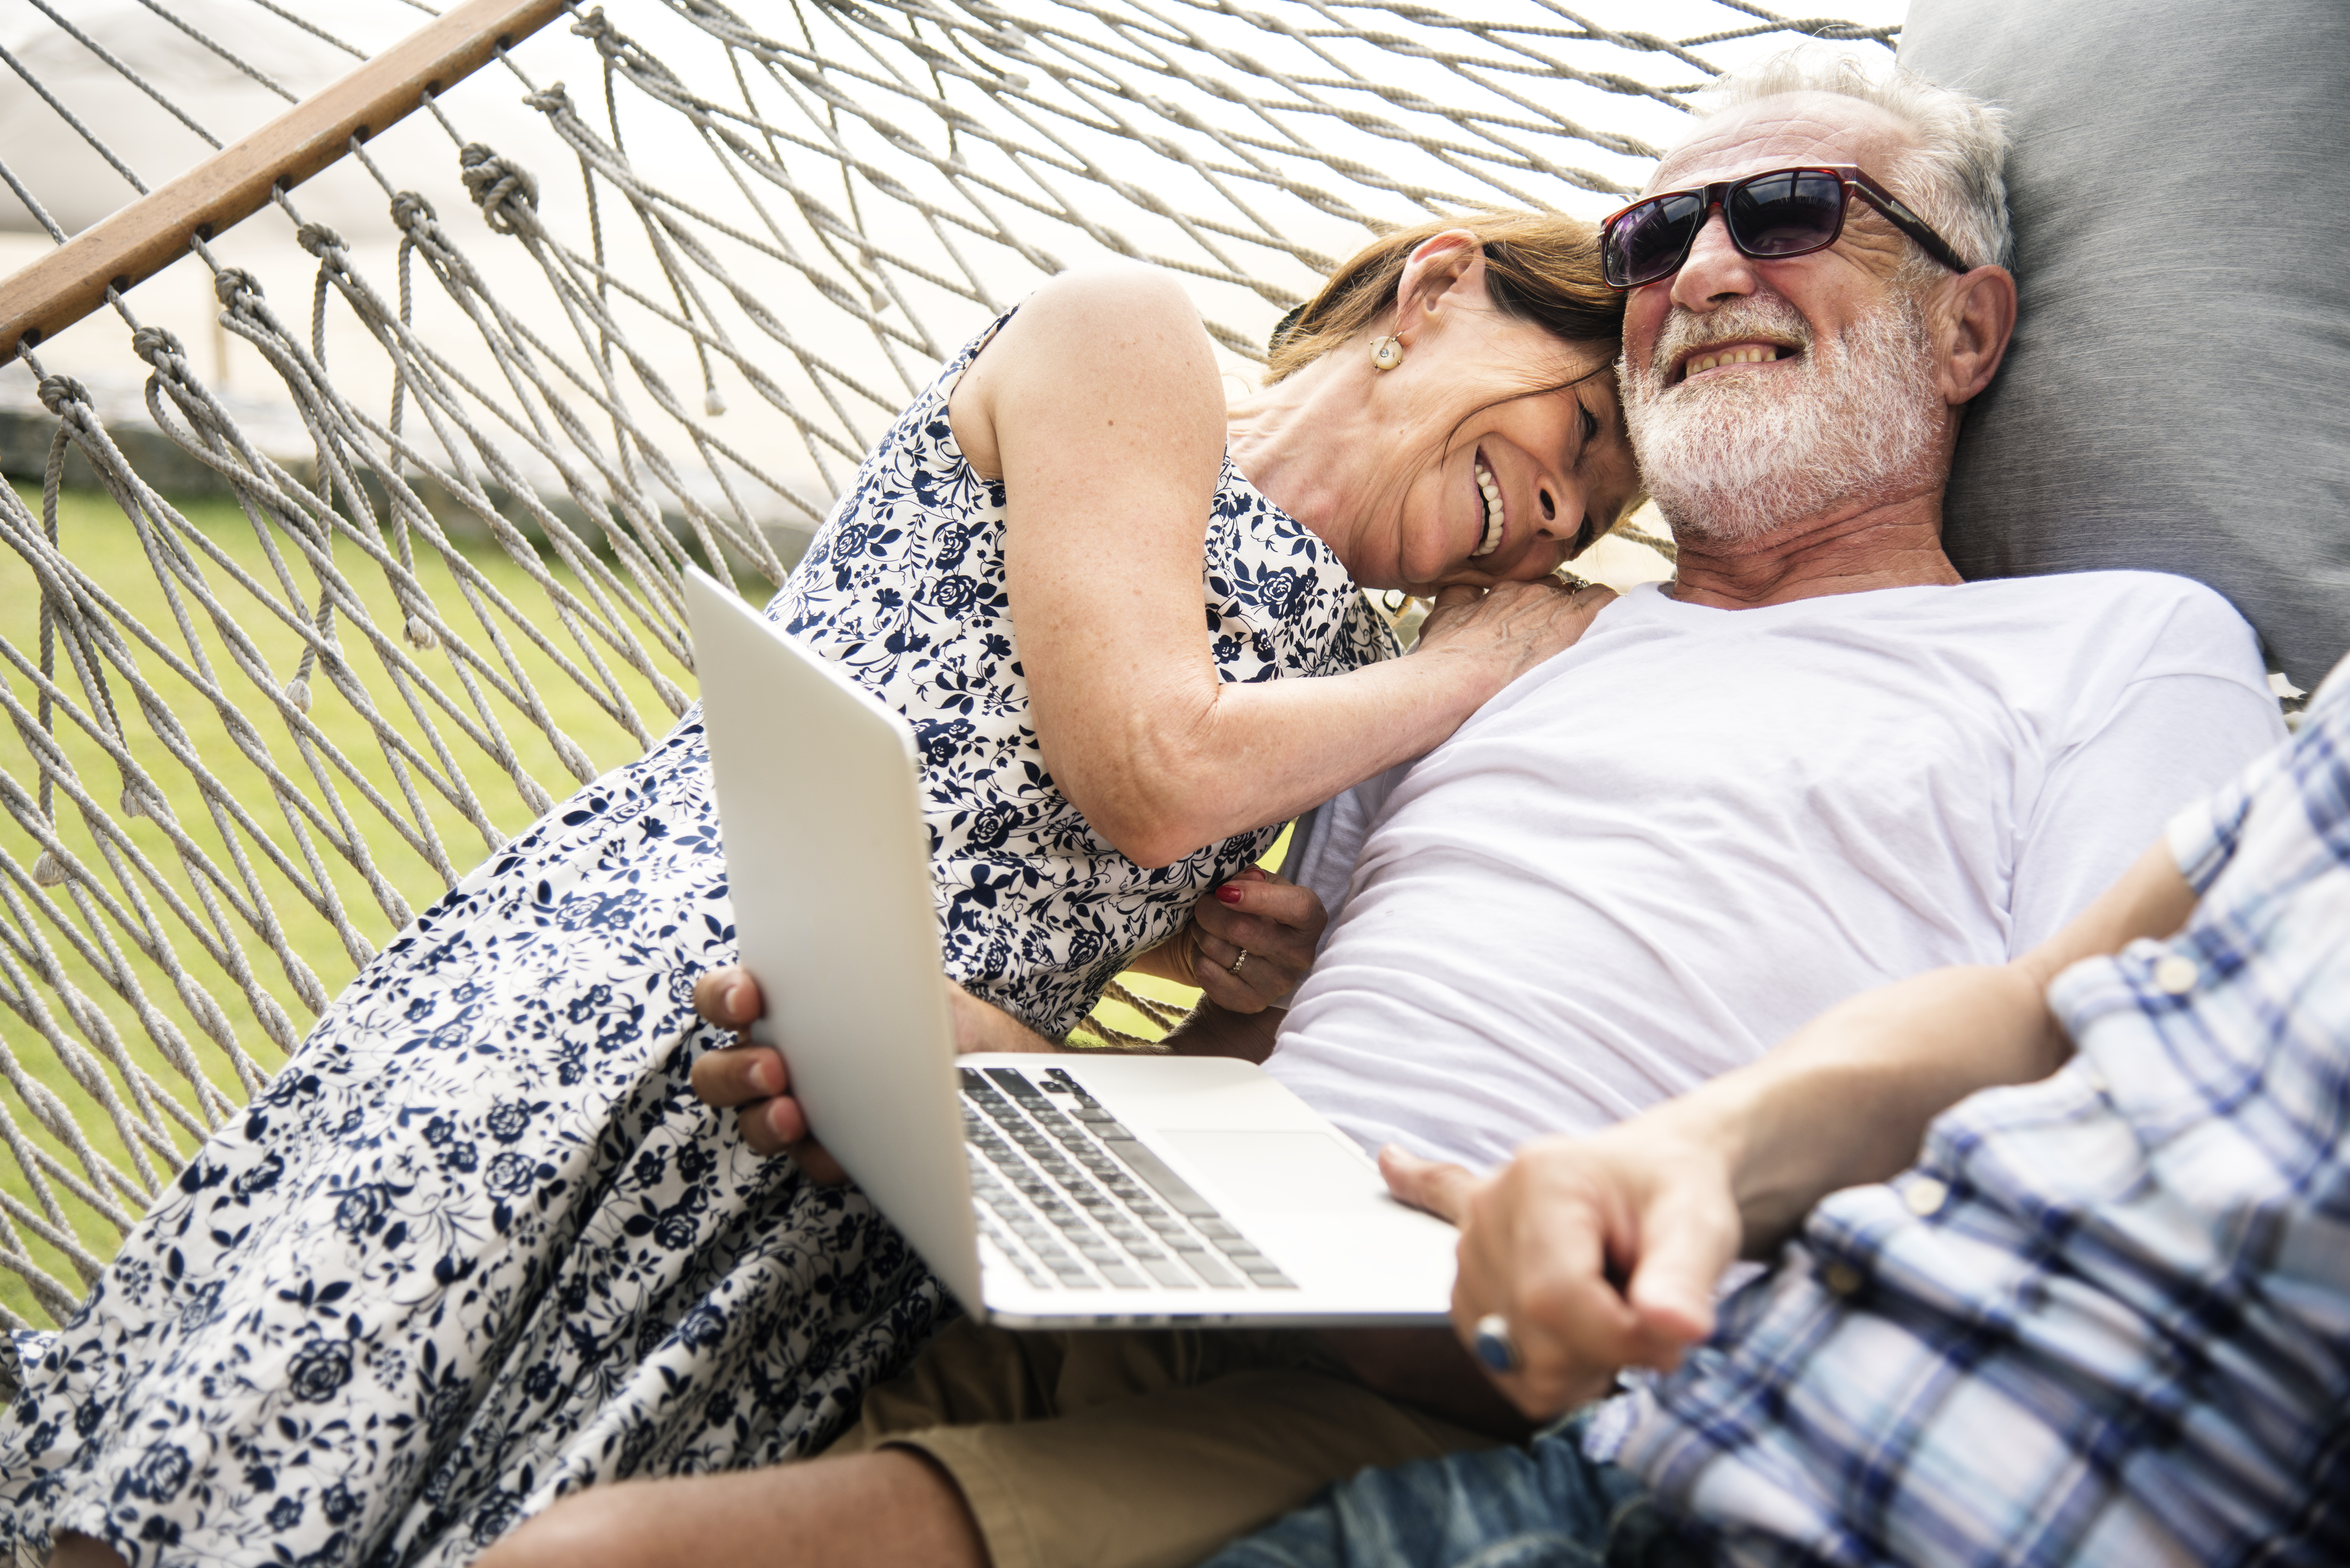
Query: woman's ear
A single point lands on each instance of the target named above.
(1442, 273)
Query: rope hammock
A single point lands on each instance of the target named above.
(452, 463)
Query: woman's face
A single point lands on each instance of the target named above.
(1481, 483)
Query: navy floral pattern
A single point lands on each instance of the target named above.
(477, 1244)
(905, 588)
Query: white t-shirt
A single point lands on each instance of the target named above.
(1651, 858)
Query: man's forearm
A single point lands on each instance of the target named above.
(1847, 1098)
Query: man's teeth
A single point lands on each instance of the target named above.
(1492, 539)
(1749, 355)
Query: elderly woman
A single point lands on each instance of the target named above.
(479, 1242)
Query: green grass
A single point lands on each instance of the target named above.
(96, 536)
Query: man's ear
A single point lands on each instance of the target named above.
(1978, 317)
(1442, 272)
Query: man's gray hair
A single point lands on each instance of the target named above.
(1952, 177)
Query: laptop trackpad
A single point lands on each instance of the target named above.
(1282, 1172)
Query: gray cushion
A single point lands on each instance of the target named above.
(2177, 397)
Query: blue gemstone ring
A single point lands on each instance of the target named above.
(1494, 1347)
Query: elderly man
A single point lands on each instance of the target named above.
(1816, 763)
(2102, 1319)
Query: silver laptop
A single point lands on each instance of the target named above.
(1068, 1191)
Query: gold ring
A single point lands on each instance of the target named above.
(1240, 960)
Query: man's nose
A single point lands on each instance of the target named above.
(1715, 271)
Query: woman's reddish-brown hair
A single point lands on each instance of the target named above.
(1539, 267)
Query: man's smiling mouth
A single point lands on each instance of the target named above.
(1496, 519)
(1720, 356)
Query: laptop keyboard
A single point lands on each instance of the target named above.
(1076, 1202)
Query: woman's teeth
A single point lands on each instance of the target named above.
(1493, 493)
(1751, 355)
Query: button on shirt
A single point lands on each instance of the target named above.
(2107, 1318)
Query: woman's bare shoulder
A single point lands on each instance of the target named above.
(1110, 299)
(1116, 336)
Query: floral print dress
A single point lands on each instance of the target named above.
(477, 1244)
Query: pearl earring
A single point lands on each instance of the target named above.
(1387, 353)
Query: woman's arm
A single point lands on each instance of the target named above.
(1100, 408)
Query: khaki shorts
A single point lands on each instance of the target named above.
(1137, 1448)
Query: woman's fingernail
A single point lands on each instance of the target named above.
(1228, 894)
(765, 1078)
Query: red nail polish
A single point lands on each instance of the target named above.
(1228, 894)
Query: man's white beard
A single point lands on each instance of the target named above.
(1734, 458)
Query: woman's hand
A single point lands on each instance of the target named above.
(753, 1081)
(1516, 625)
(750, 1079)
(1278, 923)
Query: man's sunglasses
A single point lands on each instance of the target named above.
(1770, 216)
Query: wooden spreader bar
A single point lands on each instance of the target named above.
(153, 232)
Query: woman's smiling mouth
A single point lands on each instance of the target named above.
(1496, 519)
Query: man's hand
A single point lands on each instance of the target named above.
(1604, 1252)
(1278, 923)
(753, 1080)
(1599, 1253)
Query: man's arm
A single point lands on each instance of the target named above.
(1871, 1072)
(1212, 1031)
(1604, 1251)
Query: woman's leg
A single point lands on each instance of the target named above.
(476, 1243)
(658, 1302)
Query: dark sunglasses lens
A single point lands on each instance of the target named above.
(1786, 213)
(1645, 243)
